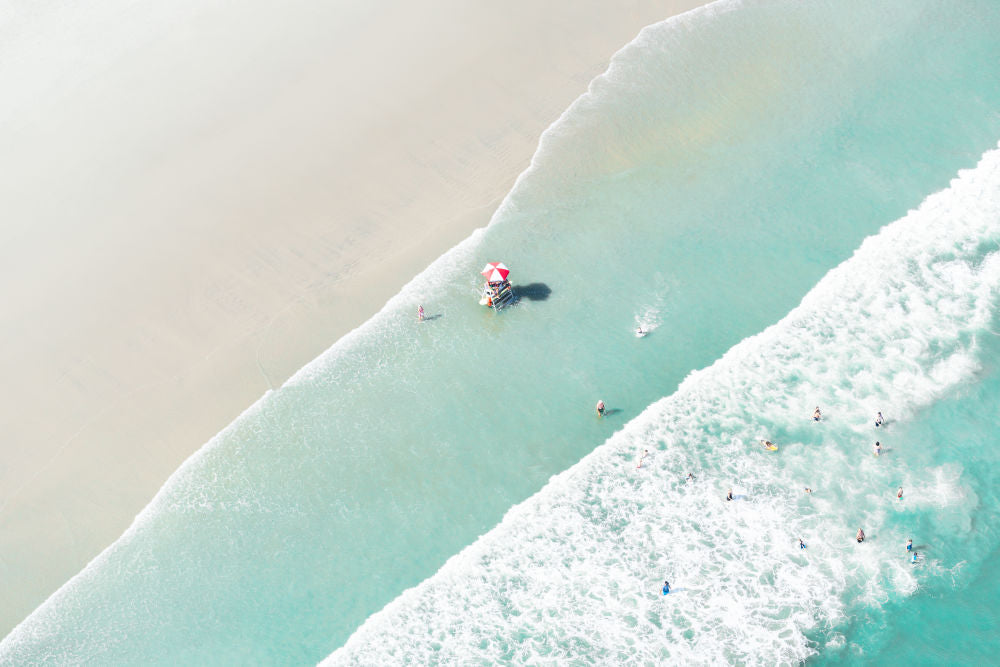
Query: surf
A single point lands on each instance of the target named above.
(575, 570)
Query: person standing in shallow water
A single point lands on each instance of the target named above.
(600, 408)
(860, 536)
(878, 448)
(645, 453)
(666, 587)
(420, 313)
(729, 496)
(879, 420)
(816, 414)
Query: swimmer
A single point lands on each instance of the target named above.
(860, 536)
(645, 453)
(690, 477)
(802, 545)
(899, 494)
(913, 558)
(816, 415)
(729, 496)
(808, 490)
(420, 313)
(666, 587)
(879, 420)
(909, 545)
(600, 408)
(639, 331)
(878, 448)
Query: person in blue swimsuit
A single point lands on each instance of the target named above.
(666, 587)
(909, 545)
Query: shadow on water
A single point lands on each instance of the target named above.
(432, 317)
(532, 291)
(612, 411)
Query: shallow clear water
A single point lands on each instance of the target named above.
(723, 166)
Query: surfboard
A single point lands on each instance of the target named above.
(769, 445)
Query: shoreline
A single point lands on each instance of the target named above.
(200, 214)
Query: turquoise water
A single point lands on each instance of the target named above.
(952, 618)
(905, 326)
(715, 176)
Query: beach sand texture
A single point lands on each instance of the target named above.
(201, 197)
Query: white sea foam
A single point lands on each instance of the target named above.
(649, 315)
(575, 571)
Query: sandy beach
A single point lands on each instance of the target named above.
(199, 199)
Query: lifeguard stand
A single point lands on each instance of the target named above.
(497, 292)
(497, 295)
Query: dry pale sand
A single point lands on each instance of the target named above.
(200, 197)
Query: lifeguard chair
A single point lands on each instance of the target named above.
(497, 291)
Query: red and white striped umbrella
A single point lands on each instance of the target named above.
(496, 272)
